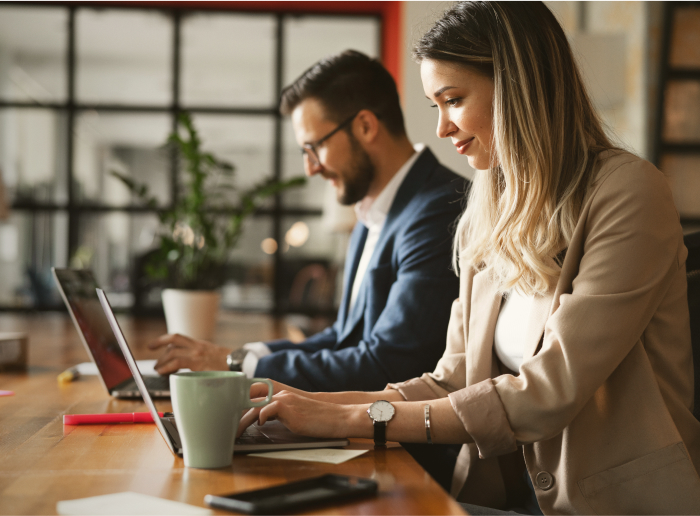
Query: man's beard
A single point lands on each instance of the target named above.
(357, 185)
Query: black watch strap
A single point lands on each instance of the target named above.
(380, 433)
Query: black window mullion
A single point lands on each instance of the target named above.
(277, 166)
(75, 208)
(73, 212)
(175, 108)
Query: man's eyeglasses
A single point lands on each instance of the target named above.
(311, 149)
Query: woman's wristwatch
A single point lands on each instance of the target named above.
(235, 359)
(380, 412)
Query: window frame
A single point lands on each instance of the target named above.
(388, 15)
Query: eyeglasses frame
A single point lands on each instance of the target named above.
(309, 149)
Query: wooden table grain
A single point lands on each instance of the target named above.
(43, 462)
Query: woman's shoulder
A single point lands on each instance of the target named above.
(629, 190)
(621, 172)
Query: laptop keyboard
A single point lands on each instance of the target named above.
(157, 383)
(253, 435)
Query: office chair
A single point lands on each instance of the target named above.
(692, 242)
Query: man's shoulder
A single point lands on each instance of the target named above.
(434, 173)
(439, 184)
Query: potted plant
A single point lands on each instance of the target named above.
(194, 241)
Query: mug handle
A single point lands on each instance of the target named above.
(270, 389)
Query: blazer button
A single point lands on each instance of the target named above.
(544, 480)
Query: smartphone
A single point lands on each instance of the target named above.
(288, 497)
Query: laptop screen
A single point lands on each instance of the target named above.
(121, 342)
(78, 290)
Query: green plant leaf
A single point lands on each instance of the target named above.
(195, 241)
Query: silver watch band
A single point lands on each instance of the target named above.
(235, 359)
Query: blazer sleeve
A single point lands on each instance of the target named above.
(325, 339)
(632, 248)
(408, 336)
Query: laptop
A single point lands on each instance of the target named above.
(77, 288)
(272, 436)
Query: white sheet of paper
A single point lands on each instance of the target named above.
(329, 455)
(127, 503)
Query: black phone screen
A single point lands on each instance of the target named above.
(323, 489)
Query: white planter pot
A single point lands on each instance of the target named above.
(191, 312)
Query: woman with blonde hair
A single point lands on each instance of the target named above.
(568, 372)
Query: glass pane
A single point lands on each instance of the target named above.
(310, 196)
(228, 60)
(309, 38)
(313, 257)
(685, 42)
(110, 244)
(244, 141)
(30, 244)
(33, 53)
(123, 57)
(682, 111)
(684, 176)
(32, 154)
(131, 144)
(250, 275)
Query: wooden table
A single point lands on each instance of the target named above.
(43, 462)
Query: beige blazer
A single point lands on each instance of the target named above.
(601, 407)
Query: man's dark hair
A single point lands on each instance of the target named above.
(345, 84)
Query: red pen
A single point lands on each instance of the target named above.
(97, 419)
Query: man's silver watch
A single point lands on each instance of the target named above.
(380, 412)
(235, 359)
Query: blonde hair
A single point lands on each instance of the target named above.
(522, 211)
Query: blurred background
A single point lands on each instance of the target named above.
(86, 89)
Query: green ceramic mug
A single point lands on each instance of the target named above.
(208, 407)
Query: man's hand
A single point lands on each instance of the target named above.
(184, 352)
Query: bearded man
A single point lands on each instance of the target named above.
(398, 284)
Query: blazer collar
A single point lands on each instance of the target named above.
(411, 185)
(485, 306)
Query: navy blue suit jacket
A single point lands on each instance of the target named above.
(397, 327)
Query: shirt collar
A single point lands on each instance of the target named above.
(373, 212)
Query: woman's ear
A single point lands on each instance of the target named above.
(366, 126)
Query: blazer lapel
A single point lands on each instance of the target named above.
(485, 305)
(415, 178)
(357, 244)
(411, 184)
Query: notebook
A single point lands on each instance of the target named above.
(271, 436)
(77, 287)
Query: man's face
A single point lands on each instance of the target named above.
(341, 158)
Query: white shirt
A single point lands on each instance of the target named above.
(370, 212)
(508, 339)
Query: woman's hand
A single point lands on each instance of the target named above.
(259, 390)
(307, 416)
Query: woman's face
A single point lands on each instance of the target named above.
(464, 100)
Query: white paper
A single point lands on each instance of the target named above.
(329, 455)
(127, 503)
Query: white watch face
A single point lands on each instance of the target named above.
(381, 410)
